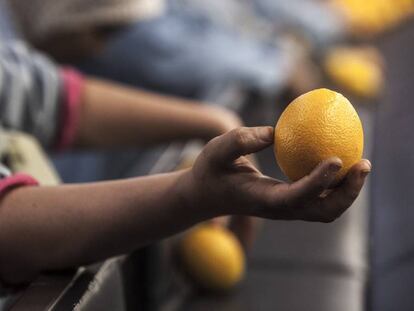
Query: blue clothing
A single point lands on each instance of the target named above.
(185, 54)
(7, 29)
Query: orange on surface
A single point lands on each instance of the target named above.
(357, 70)
(213, 257)
(314, 127)
(371, 17)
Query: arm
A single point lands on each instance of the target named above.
(59, 106)
(48, 228)
(115, 115)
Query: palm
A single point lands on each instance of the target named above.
(226, 178)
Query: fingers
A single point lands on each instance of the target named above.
(288, 201)
(311, 186)
(303, 200)
(238, 142)
(340, 199)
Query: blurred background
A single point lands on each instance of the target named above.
(252, 57)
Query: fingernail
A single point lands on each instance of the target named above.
(334, 168)
(367, 164)
(364, 173)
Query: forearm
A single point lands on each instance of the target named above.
(113, 115)
(45, 228)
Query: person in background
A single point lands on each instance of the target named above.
(153, 44)
(65, 110)
(54, 101)
(49, 102)
(318, 23)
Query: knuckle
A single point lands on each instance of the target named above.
(319, 184)
(208, 149)
(321, 179)
(214, 141)
(239, 136)
(285, 200)
(354, 193)
(351, 196)
(209, 152)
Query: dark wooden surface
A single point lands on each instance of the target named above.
(392, 277)
(42, 293)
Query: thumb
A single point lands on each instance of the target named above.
(239, 142)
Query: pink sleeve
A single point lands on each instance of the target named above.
(16, 180)
(72, 89)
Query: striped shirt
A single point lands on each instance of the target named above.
(30, 90)
(36, 96)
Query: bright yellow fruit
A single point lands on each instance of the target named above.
(356, 70)
(213, 257)
(370, 17)
(363, 16)
(314, 127)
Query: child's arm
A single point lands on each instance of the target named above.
(61, 108)
(45, 228)
(115, 115)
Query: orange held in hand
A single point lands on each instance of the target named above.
(314, 127)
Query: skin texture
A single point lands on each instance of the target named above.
(48, 228)
(113, 115)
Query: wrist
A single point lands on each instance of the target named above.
(191, 199)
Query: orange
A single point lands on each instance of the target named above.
(370, 17)
(357, 70)
(213, 257)
(314, 127)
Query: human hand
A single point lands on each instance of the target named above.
(224, 182)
